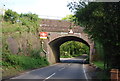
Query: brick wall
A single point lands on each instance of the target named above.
(58, 26)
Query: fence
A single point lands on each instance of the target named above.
(115, 75)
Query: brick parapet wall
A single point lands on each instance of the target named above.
(58, 26)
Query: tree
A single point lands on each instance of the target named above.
(11, 16)
(69, 18)
(73, 48)
(102, 22)
(30, 20)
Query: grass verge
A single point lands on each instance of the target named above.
(13, 64)
(99, 64)
(101, 74)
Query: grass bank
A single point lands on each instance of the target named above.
(101, 73)
(99, 64)
(13, 64)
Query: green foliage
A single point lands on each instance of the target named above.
(99, 64)
(1, 17)
(73, 49)
(23, 62)
(69, 18)
(99, 51)
(101, 21)
(35, 53)
(10, 28)
(101, 74)
(30, 20)
(11, 16)
(21, 22)
(13, 25)
(66, 56)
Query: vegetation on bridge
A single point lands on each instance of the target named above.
(73, 49)
(101, 22)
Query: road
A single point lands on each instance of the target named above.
(68, 69)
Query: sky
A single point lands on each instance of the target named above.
(52, 9)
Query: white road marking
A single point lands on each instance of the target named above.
(61, 68)
(49, 77)
(32, 71)
(85, 72)
(69, 64)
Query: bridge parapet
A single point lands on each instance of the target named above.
(49, 25)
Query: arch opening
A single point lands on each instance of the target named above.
(74, 52)
(56, 43)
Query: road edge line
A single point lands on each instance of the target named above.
(84, 70)
(49, 76)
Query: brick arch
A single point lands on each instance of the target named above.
(58, 29)
(55, 44)
(62, 39)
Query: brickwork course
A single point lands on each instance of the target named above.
(59, 26)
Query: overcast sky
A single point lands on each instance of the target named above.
(50, 8)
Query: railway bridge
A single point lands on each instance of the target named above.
(59, 32)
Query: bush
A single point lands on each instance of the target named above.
(99, 64)
(35, 53)
(24, 62)
(11, 16)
